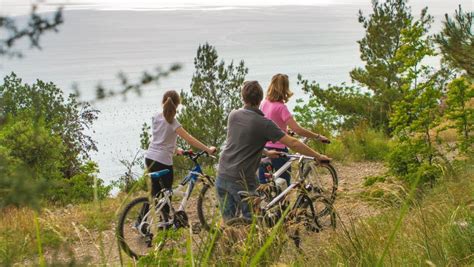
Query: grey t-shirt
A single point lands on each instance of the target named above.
(247, 133)
(163, 142)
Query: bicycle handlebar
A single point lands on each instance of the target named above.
(296, 156)
(194, 156)
(306, 139)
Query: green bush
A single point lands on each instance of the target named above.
(406, 161)
(31, 143)
(81, 187)
(65, 118)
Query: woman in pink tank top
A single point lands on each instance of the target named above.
(275, 109)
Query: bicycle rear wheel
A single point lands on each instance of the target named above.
(321, 180)
(136, 228)
(208, 207)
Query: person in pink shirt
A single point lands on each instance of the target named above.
(274, 108)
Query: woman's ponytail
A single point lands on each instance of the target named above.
(170, 104)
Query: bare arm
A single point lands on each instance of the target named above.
(298, 146)
(193, 141)
(304, 132)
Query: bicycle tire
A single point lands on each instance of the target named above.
(329, 191)
(207, 220)
(325, 214)
(121, 226)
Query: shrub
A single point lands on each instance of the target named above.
(407, 162)
(32, 144)
(80, 187)
(64, 118)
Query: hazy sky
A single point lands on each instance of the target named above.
(16, 7)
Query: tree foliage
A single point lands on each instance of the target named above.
(215, 91)
(460, 111)
(379, 83)
(64, 117)
(37, 25)
(126, 86)
(456, 41)
(43, 134)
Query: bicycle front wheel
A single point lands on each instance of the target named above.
(321, 180)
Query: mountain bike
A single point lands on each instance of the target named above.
(306, 212)
(321, 180)
(139, 223)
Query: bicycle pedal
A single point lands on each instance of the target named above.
(149, 240)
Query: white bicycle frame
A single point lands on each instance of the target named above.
(287, 165)
(166, 200)
(280, 171)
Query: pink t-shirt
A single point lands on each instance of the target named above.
(279, 114)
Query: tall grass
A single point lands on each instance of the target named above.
(437, 230)
(360, 144)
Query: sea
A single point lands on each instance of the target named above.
(93, 45)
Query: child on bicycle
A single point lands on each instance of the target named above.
(166, 129)
(275, 109)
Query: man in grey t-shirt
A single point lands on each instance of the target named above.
(247, 133)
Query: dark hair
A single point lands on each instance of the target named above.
(252, 93)
(170, 103)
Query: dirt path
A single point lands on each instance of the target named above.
(95, 248)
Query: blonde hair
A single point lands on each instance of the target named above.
(170, 104)
(279, 89)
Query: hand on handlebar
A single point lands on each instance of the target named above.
(324, 139)
(273, 154)
(211, 150)
(179, 151)
(323, 158)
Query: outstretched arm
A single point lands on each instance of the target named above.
(304, 132)
(298, 146)
(193, 141)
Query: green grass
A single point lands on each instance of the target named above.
(437, 230)
(360, 144)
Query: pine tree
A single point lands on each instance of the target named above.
(379, 83)
(456, 41)
(215, 91)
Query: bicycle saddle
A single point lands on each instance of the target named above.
(158, 174)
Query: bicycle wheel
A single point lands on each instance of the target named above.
(321, 180)
(325, 214)
(136, 229)
(303, 214)
(208, 207)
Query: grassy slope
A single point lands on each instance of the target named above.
(439, 229)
